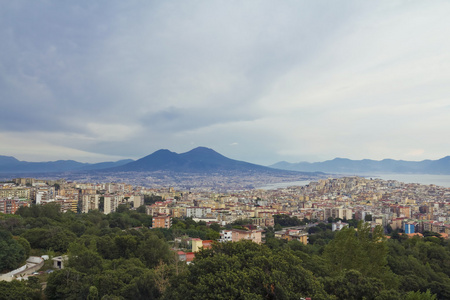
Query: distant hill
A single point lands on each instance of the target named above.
(344, 165)
(11, 164)
(198, 160)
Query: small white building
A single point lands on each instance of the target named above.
(338, 225)
(59, 261)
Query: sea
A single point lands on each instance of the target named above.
(440, 180)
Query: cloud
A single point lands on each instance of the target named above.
(285, 80)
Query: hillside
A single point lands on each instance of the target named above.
(344, 165)
(198, 160)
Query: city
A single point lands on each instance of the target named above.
(394, 205)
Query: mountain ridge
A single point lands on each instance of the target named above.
(13, 165)
(344, 165)
(200, 159)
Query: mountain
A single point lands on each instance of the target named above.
(7, 160)
(344, 165)
(12, 165)
(198, 160)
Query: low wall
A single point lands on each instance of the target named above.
(34, 263)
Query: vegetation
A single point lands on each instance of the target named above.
(116, 256)
(286, 220)
(12, 252)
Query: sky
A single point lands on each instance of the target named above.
(259, 81)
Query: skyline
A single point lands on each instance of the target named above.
(260, 82)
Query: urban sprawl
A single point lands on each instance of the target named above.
(408, 207)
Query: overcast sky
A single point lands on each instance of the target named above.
(260, 81)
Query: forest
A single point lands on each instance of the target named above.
(117, 256)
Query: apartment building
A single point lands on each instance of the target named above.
(162, 222)
(110, 203)
(89, 202)
(10, 205)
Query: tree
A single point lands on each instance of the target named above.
(19, 290)
(152, 250)
(215, 227)
(278, 227)
(245, 270)
(93, 293)
(54, 238)
(351, 284)
(67, 284)
(12, 253)
(361, 250)
(420, 296)
(141, 209)
(84, 260)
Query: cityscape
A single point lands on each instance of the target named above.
(195, 150)
(409, 207)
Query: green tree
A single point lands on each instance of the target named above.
(12, 253)
(55, 238)
(245, 270)
(420, 296)
(93, 293)
(362, 250)
(351, 284)
(67, 284)
(152, 250)
(18, 290)
(84, 260)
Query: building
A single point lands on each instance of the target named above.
(59, 261)
(138, 200)
(162, 222)
(225, 236)
(67, 203)
(263, 222)
(295, 234)
(197, 244)
(338, 225)
(110, 203)
(198, 212)
(10, 206)
(409, 227)
(239, 234)
(89, 202)
(15, 193)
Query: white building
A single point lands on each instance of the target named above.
(89, 202)
(197, 212)
(110, 203)
(226, 236)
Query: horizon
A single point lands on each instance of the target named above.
(281, 161)
(288, 81)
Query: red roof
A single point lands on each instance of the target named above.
(190, 256)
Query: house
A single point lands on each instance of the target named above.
(188, 257)
(295, 234)
(198, 243)
(240, 234)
